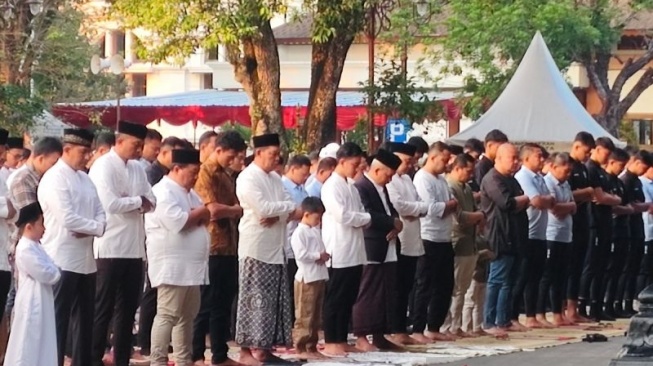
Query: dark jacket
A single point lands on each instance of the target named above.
(156, 172)
(507, 227)
(376, 245)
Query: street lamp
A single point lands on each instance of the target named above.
(35, 6)
(7, 11)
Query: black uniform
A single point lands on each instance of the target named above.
(578, 179)
(619, 247)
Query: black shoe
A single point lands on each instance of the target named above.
(608, 313)
(619, 312)
(595, 312)
(628, 308)
(582, 308)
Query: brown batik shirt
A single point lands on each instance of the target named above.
(215, 185)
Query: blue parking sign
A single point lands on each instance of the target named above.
(397, 130)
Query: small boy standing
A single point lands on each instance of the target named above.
(310, 279)
(33, 338)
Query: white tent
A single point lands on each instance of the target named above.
(47, 125)
(537, 105)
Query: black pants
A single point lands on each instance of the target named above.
(5, 286)
(614, 267)
(530, 264)
(119, 287)
(553, 278)
(74, 299)
(146, 317)
(406, 267)
(340, 296)
(214, 316)
(627, 287)
(434, 280)
(645, 273)
(596, 258)
(577, 250)
(292, 270)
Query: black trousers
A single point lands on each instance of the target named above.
(146, 317)
(577, 250)
(5, 286)
(614, 267)
(214, 316)
(598, 250)
(292, 271)
(645, 273)
(627, 287)
(119, 287)
(553, 278)
(406, 267)
(340, 296)
(434, 280)
(74, 299)
(530, 264)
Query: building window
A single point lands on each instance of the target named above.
(139, 85)
(207, 81)
(627, 43)
(644, 131)
(119, 43)
(212, 53)
(102, 46)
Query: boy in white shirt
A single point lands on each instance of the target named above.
(310, 279)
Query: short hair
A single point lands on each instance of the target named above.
(206, 137)
(47, 145)
(187, 144)
(248, 160)
(456, 149)
(475, 145)
(496, 136)
(173, 142)
(349, 150)
(299, 161)
(462, 161)
(439, 147)
(230, 140)
(606, 143)
(586, 139)
(153, 134)
(545, 153)
(619, 155)
(313, 205)
(420, 144)
(631, 150)
(645, 157)
(528, 148)
(327, 163)
(560, 158)
(104, 139)
(314, 155)
(26, 154)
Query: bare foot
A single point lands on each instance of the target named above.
(497, 332)
(199, 363)
(364, 345)
(421, 338)
(310, 355)
(351, 349)
(460, 334)
(437, 336)
(380, 342)
(516, 326)
(403, 339)
(266, 356)
(546, 324)
(247, 358)
(334, 350)
(560, 320)
(480, 333)
(532, 323)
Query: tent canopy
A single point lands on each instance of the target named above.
(537, 105)
(213, 107)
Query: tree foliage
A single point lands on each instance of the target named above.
(492, 36)
(18, 108)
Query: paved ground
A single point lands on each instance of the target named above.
(577, 354)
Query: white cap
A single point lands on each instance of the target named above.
(329, 151)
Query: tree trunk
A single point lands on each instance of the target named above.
(256, 67)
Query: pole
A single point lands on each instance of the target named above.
(404, 61)
(118, 102)
(370, 54)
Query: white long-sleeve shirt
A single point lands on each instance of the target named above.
(343, 222)
(262, 195)
(176, 256)
(120, 187)
(434, 190)
(5, 230)
(307, 245)
(70, 205)
(407, 203)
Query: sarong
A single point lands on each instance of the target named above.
(375, 306)
(263, 318)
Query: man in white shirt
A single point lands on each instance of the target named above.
(374, 309)
(410, 208)
(125, 196)
(102, 144)
(263, 316)
(531, 256)
(178, 253)
(435, 270)
(297, 171)
(558, 237)
(151, 148)
(342, 232)
(74, 216)
(7, 213)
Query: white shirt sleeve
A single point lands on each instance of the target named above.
(108, 193)
(170, 213)
(427, 193)
(37, 265)
(146, 188)
(334, 202)
(405, 206)
(300, 247)
(252, 194)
